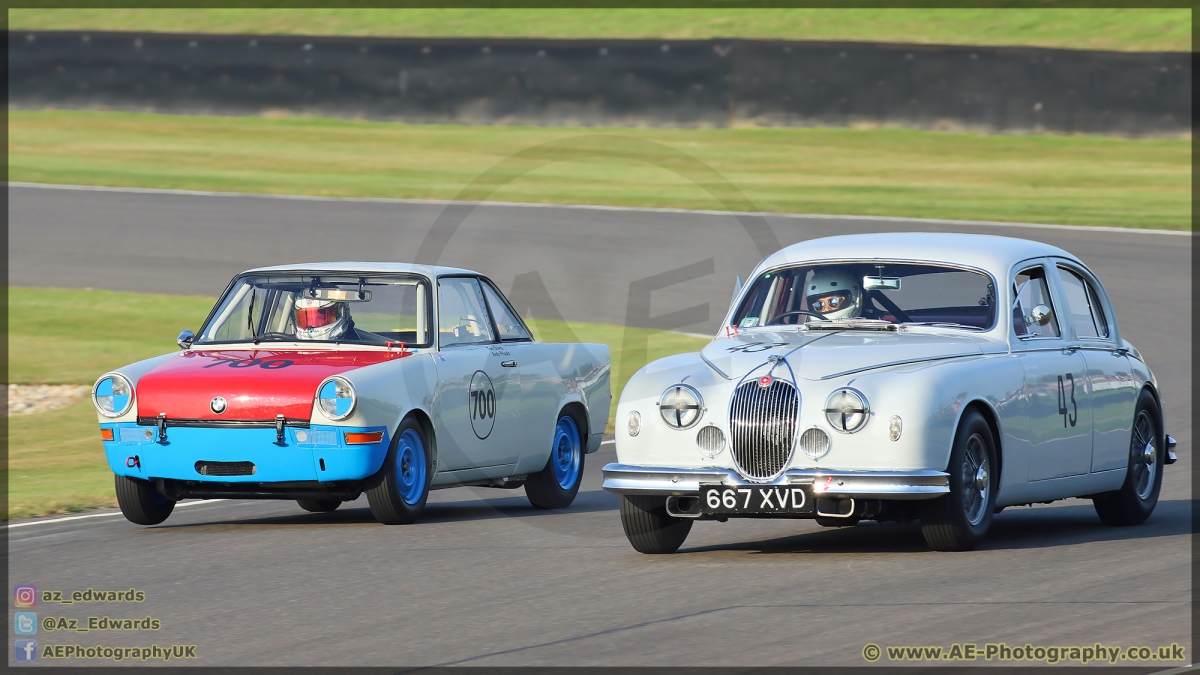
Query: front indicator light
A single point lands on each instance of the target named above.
(107, 434)
(363, 437)
(635, 423)
(895, 427)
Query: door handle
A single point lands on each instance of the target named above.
(1071, 349)
(509, 364)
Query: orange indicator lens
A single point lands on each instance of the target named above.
(106, 434)
(360, 437)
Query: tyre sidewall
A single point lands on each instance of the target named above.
(391, 481)
(1137, 508)
(545, 484)
(972, 423)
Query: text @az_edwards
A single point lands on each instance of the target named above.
(98, 623)
(999, 651)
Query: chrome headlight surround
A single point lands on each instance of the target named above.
(109, 391)
(681, 406)
(336, 398)
(847, 410)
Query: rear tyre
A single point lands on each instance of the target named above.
(402, 485)
(555, 486)
(1135, 501)
(649, 528)
(959, 521)
(140, 502)
(319, 505)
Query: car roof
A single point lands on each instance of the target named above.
(431, 271)
(983, 251)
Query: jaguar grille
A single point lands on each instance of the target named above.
(762, 425)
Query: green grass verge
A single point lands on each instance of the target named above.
(1120, 29)
(1080, 180)
(59, 336)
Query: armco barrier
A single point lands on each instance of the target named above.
(612, 82)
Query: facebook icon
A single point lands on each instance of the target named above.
(27, 650)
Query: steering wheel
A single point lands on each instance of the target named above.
(805, 312)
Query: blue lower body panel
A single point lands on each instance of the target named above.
(319, 453)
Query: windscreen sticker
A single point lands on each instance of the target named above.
(750, 322)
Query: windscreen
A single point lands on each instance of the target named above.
(322, 309)
(893, 292)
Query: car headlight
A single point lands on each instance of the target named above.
(847, 410)
(681, 406)
(336, 398)
(113, 395)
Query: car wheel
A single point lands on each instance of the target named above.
(141, 502)
(319, 505)
(555, 486)
(958, 521)
(648, 526)
(402, 486)
(1135, 501)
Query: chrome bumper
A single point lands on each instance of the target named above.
(627, 479)
(1171, 458)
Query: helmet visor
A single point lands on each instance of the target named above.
(824, 303)
(316, 317)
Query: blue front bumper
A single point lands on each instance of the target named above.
(322, 456)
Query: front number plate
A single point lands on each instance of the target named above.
(743, 500)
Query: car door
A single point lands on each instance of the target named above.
(541, 382)
(477, 402)
(1110, 380)
(1055, 388)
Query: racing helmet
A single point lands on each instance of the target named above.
(834, 294)
(318, 319)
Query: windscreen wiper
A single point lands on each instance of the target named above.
(941, 324)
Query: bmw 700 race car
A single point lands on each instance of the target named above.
(895, 377)
(320, 382)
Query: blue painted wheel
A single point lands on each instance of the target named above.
(410, 467)
(568, 449)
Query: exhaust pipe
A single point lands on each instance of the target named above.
(683, 507)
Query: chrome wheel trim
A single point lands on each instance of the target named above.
(975, 469)
(1143, 452)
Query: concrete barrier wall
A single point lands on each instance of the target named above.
(608, 82)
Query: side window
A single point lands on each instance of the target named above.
(507, 323)
(1029, 291)
(1086, 314)
(462, 319)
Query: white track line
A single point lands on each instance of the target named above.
(594, 207)
(102, 515)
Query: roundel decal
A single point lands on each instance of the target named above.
(482, 404)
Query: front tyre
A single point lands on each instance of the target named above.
(141, 502)
(319, 505)
(400, 491)
(555, 486)
(958, 521)
(648, 526)
(1135, 501)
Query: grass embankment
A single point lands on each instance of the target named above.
(59, 336)
(1109, 28)
(1080, 180)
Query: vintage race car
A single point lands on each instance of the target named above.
(931, 377)
(319, 382)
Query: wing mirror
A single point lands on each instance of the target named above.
(185, 339)
(1041, 315)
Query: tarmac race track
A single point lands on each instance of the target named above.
(483, 578)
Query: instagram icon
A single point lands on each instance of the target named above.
(25, 595)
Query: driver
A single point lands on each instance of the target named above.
(319, 319)
(834, 294)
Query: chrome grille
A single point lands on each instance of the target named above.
(762, 427)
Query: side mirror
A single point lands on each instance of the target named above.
(1041, 315)
(185, 339)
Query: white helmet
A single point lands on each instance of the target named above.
(318, 319)
(834, 294)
